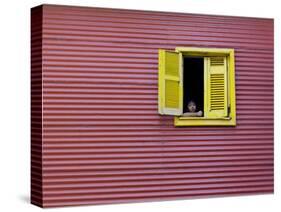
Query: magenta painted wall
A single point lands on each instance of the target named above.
(97, 137)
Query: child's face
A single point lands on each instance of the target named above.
(191, 107)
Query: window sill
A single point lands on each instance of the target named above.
(202, 121)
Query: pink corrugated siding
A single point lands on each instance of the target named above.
(36, 107)
(102, 138)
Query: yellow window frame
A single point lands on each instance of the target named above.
(204, 121)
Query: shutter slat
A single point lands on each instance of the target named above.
(217, 87)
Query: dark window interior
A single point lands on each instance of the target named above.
(193, 82)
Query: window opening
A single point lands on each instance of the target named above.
(193, 86)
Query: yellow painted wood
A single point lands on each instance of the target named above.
(170, 99)
(231, 86)
(194, 51)
(217, 88)
(205, 86)
(201, 121)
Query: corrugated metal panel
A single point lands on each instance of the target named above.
(103, 140)
(36, 106)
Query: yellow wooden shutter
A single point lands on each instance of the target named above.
(169, 83)
(216, 89)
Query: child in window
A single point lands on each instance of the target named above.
(191, 110)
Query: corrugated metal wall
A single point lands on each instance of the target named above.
(36, 106)
(103, 140)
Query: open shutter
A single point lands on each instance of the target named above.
(169, 83)
(216, 87)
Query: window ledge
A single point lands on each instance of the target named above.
(202, 121)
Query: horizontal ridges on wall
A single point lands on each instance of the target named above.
(36, 106)
(104, 141)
